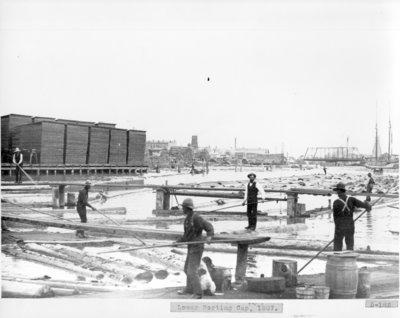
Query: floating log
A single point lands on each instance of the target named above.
(10, 289)
(52, 262)
(65, 291)
(94, 287)
(247, 238)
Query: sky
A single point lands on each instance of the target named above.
(282, 75)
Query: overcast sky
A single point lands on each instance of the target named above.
(289, 74)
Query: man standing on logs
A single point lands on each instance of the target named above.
(18, 160)
(81, 207)
(251, 198)
(370, 185)
(194, 225)
(343, 209)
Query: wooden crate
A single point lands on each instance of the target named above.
(76, 144)
(8, 126)
(99, 139)
(136, 147)
(118, 146)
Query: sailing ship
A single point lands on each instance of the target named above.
(380, 162)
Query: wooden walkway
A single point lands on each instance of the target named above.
(241, 240)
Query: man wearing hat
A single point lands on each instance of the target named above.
(18, 160)
(81, 205)
(370, 186)
(251, 198)
(343, 209)
(193, 227)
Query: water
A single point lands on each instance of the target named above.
(375, 229)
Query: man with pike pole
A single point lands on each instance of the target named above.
(194, 225)
(343, 209)
(251, 199)
(81, 205)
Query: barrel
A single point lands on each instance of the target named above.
(305, 293)
(287, 269)
(266, 284)
(341, 274)
(321, 292)
(222, 277)
(364, 283)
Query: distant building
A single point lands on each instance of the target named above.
(160, 144)
(195, 143)
(181, 153)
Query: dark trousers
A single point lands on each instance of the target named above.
(369, 189)
(344, 229)
(82, 215)
(18, 174)
(191, 269)
(252, 214)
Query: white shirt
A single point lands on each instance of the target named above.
(260, 191)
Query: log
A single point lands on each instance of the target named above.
(65, 291)
(52, 262)
(69, 285)
(10, 289)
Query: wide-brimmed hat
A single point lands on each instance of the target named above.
(340, 186)
(87, 183)
(251, 174)
(17, 150)
(188, 203)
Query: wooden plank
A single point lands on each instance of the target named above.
(245, 238)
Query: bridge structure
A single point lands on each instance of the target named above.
(333, 154)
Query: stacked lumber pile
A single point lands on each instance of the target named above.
(8, 126)
(76, 144)
(75, 122)
(51, 150)
(118, 146)
(105, 125)
(99, 139)
(38, 119)
(136, 147)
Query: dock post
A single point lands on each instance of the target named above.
(292, 205)
(55, 196)
(162, 199)
(241, 262)
(61, 194)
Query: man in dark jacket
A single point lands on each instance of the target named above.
(370, 186)
(343, 209)
(194, 225)
(18, 160)
(81, 207)
(251, 198)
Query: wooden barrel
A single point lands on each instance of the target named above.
(341, 274)
(364, 283)
(266, 284)
(305, 293)
(222, 277)
(321, 292)
(287, 269)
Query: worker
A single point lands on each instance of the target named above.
(251, 199)
(324, 169)
(18, 160)
(194, 225)
(343, 209)
(81, 207)
(370, 185)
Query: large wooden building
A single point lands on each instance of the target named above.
(50, 141)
